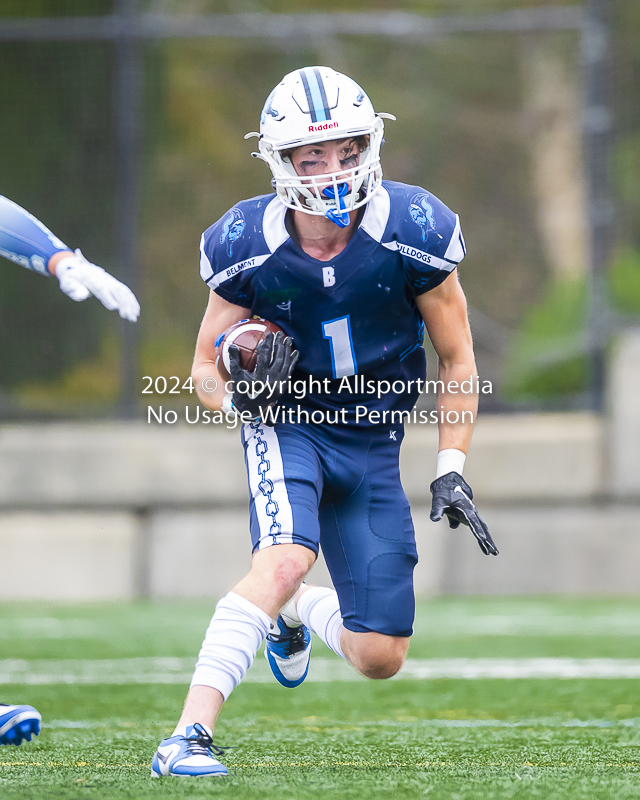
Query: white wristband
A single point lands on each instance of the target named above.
(227, 404)
(450, 460)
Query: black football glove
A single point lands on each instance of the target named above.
(275, 360)
(453, 498)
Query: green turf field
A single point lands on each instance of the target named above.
(460, 739)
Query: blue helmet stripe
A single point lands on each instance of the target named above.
(316, 96)
(307, 90)
(323, 94)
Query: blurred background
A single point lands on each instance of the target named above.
(123, 132)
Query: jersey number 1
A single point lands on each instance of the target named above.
(343, 358)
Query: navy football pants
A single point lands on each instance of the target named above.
(339, 488)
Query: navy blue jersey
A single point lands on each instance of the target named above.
(355, 314)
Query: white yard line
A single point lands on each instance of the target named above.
(534, 722)
(323, 670)
(529, 620)
(475, 668)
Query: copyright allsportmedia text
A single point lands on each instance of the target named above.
(358, 388)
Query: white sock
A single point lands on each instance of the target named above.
(183, 730)
(236, 631)
(289, 612)
(319, 610)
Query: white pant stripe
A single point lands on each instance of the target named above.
(267, 484)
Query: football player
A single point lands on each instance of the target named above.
(26, 241)
(352, 268)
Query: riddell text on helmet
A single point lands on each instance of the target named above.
(323, 126)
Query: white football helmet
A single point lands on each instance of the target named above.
(317, 104)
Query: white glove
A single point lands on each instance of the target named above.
(80, 279)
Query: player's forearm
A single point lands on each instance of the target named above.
(210, 386)
(457, 409)
(25, 240)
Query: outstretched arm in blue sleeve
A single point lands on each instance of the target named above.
(27, 242)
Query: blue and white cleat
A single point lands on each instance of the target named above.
(189, 756)
(288, 653)
(18, 723)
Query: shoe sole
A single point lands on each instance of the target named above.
(23, 727)
(288, 684)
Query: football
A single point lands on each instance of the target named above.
(246, 335)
